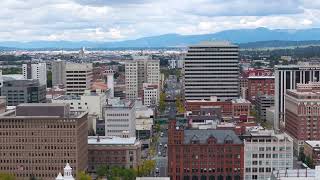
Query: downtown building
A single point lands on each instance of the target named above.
(287, 77)
(303, 114)
(58, 69)
(211, 69)
(78, 78)
(260, 85)
(266, 151)
(19, 91)
(196, 154)
(37, 140)
(35, 71)
(139, 71)
(120, 118)
(124, 152)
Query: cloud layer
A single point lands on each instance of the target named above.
(110, 20)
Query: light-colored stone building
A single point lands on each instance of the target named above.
(78, 78)
(264, 152)
(35, 71)
(120, 118)
(150, 94)
(139, 71)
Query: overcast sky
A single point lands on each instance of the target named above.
(111, 20)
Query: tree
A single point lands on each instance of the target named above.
(102, 171)
(162, 103)
(6, 176)
(146, 167)
(83, 176)
(179, 105)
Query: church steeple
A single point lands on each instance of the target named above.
(67, 173)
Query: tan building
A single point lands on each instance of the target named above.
(78, 78)
(39, 139)
(140, 70)
(312, 150)
(113, 151)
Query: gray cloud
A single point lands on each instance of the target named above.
(110, 2)
(129, 19)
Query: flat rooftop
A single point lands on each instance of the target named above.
(214, 44)
(111, 140)
(261, 77)
(43, 110)
(313, 143)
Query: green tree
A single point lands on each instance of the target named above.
(102, 171)
(83, 176)
(146, 167)
(180, 106)
(6, 176)
(162, 103)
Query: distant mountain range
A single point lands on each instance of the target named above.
(246, 38)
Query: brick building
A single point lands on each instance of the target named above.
(241, 107)
(195, 105)
(195, 154)
(302, 118)
(39, 139)
(260, 85)
(113, 151)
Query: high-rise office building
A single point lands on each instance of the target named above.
(78, 78)
(39, 139)
(211, 69)
(35, 71)
(58, 73)
(140, 71)
(287, 77)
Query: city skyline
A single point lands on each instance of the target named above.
(110, 20)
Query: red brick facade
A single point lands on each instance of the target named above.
(205, 159)
(194, 106)
(262, 85)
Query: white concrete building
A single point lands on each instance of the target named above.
(287, 77)
(265, 152)
(211, 69)
(78, 78)
(120, 118)
(150, 94)
(270, 115)
(67, 174)
(140, 71)
(110, 81)
(35, 71)
(296, 174)
(93, 102)
(58, 73)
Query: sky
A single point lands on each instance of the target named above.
(116, 20)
